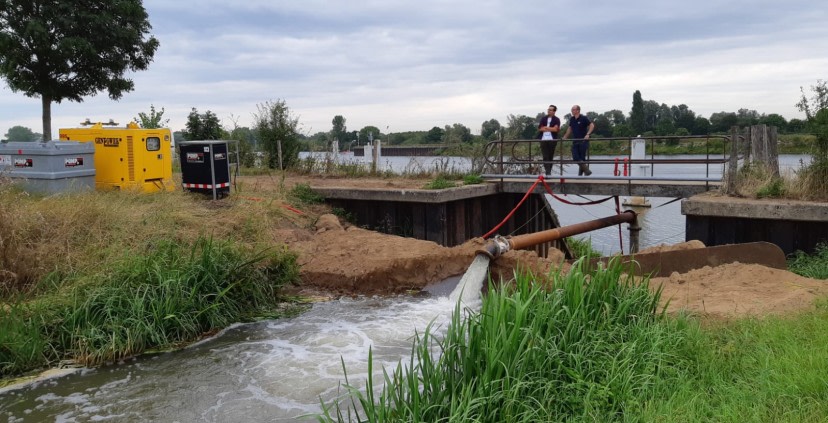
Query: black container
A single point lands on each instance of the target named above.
(205, 167)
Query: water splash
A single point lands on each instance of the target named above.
(469, 287)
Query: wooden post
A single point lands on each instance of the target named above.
(763, 141)
(733, 163)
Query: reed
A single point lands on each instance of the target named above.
(589, 348)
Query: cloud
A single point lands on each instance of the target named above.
(412, 66)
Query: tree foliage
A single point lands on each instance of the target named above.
(277, 128)
(65, 50)
(637, 118)
(203, 126)
(21, 133)
(489, 129)
(155, 119)
(339, 130)
(520, 127)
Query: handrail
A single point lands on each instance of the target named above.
(501, 153)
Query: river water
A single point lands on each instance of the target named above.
(277, 370)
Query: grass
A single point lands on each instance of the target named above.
(91, 277)
(812, 266)
(595, 347)
(440, 182)
(577, 351)
(171, 295)
(582, 248)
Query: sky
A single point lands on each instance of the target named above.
(405, 66)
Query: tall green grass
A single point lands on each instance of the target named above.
(174, 293)
(579, 351)
(811, 265)
(595, 348)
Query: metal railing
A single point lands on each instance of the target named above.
(511, 158)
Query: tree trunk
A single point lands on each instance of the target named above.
(47, 117)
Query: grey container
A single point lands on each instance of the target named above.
(49, 167)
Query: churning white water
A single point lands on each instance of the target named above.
(273, 371)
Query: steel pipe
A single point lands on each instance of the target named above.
(500, 245)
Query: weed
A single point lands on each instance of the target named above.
(812, 266)
(440, 182)
(303, 194)
(472, 179)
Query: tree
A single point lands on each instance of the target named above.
(796, 126)
(435, 135)
(339, 130)
(683, 117)
(816, 113)
(61, 50)
(651, 112)
(152, 120)
(490, 129)
(457, 133)
(368, 133)
(701, 126)
(723, 121)
(21, 133)
(637, 116)
(277, 130)
(776, 120)
(747, 117)
(204, 126)
(521, 127)
(817, 102)
(615, 116)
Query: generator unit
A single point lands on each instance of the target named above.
(128, 157)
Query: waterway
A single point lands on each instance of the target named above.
(662, 222)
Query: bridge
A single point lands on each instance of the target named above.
(642, 169)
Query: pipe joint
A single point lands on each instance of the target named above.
(496, 247)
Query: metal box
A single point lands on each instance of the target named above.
(205, 167)
(130, 157)
(49, 167)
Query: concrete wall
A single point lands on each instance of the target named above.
(791, 225)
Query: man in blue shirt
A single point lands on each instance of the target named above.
(581, 128)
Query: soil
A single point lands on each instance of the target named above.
(345, 260)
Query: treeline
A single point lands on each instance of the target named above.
(646, 117)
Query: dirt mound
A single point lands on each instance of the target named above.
(346, 260)
(739, 289)
(352, 260)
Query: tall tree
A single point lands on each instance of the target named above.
(683, 117)
(278, 133)
(435, 135)
(489, 129)
(637, 118)
(339, 130)
(368, 133)
(154, 119)
(203, 126)
(65, 50)
(817, 102)
(21, 133)
(521, 127)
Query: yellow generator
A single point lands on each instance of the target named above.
(128, 158)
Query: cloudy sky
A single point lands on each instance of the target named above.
(417, 64)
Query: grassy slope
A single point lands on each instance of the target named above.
(94, 277)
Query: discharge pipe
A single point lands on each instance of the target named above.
(499, 245)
